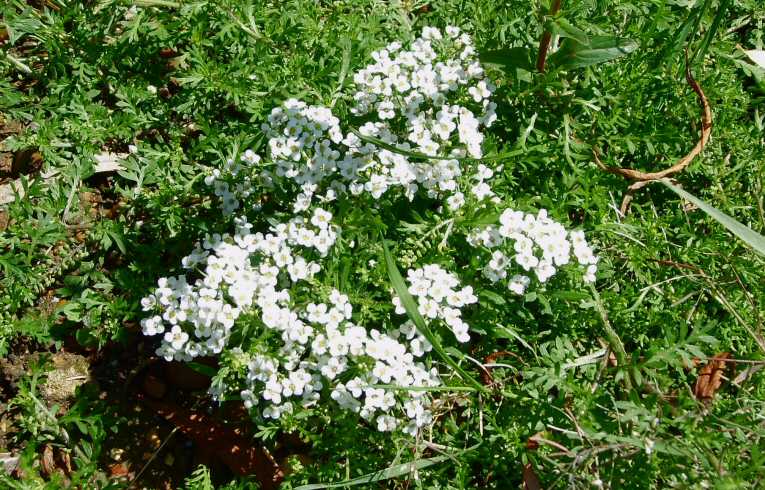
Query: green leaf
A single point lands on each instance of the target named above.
(483, 218)
(421, 156)
(565, 29)
(689, 25)
(746, 234)
(573, 54)
(721, 10)
(157, 3)
(202, 369)
(570, 295)
(509, 58)
(413, 313)
(117, 237)
(388, 473)
(493, 297)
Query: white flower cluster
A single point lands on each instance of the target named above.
(439, 297)
(535, 243)
(237, 273)
(233, 182)
(251, 273)
(417, 84)
(304, 144)
(430, 98)
(422, 98)
(320, 346)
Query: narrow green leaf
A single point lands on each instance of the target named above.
(481, 219)
(601, 49)
(410, 305)
(746, 234)
(157, 3)
(117, 238)
(566, 29)
(425, 388)
(386, 474)
(393, 471)
(678, 40)
(509, 58)
(712, 31)
(570, 295)
(493, 297)
(202, 368)
(421, 156)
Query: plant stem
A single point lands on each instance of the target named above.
(544, 43)
(613, 338)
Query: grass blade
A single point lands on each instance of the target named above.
(421, 156)
(691, 24)
(393, 471)
(410, 305)
(712, 31)
(746, 234)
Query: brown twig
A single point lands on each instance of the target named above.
(537, 439)
(486, 376)
(544, 43)
(644, 178)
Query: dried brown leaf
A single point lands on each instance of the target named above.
(710, 377)
(118, 470)
(47, 465)
(530, 478)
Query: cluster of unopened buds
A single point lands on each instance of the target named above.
(531, 243)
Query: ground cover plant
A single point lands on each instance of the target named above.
(382, 244)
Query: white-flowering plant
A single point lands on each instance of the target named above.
(265, 299)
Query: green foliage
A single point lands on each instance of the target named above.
(750, 237)
(77, 431)
(188, 85)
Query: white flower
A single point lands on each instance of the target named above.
(429, 97)
(386, 423)
(518, 284)
(176, 337)
(455, 201)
